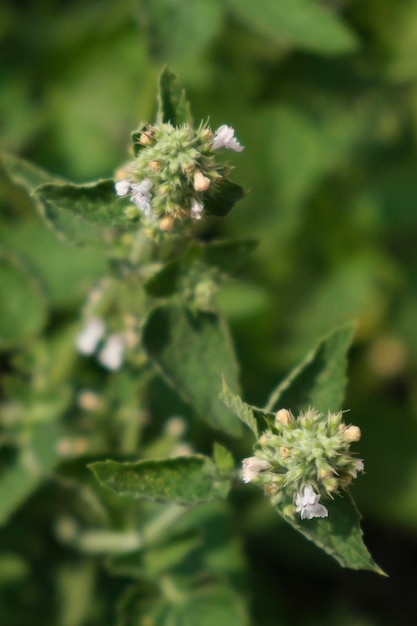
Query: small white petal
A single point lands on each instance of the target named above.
(112, 353)
(122, 187)
(307, 504)
(88, 339)
(252, 466)
(224, 137)
(141, 195)
(144, 186)
(196, 209)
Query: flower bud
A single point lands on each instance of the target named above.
(283, 417)
(352, 433)
(155, 165)
(166, 223)
(200, 182)
(146, 138)
(284, 451)
(270, 489)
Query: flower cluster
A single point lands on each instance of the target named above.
(173, 169)
(110, 348)
(305, 458)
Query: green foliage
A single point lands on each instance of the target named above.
(322, 95)
(172, 102)
(339, 535)
(23, 309)
(320, 380)
(184, 480)
(192, 351)
(96, 203)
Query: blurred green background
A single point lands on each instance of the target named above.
(323, 95)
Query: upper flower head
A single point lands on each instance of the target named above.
(307, 504)
(224, 137)
(172, 171)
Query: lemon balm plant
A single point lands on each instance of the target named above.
(81, 410)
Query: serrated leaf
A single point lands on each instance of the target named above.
(23, 306)
(183, 480)
(301, 23)
(320, 379)
(339, 535)
(29, 177)
(220, 197)
(192, 351)
(96, 202)
(173, 106)
(242, 410)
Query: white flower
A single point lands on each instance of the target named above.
(196, 209)
(252, 466)
(112, 353)
(307, 504)
(87, 340)
(224, 137)
(141, 195)
(122, 187)
(359, 467)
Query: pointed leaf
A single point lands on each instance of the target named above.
(183, 480)
(339, 534)
(320, 379)
(96, 202)
(242, 410)
(192, 352)
(66, 225)
(220, 197)
(172, 102)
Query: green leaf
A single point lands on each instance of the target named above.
(95, 202)
(27, 175)
(207, 605)
(339, 534)
(242, 410)
(192, 352)
(173, 106)
(35, 459)
(66, 225)
(301, 23)
(183, 480)
(224, 255)
(220, 197)
(228, 255)
(320, 379)
(23, 306)
(223, 459)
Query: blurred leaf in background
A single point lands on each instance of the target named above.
(323, 96)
